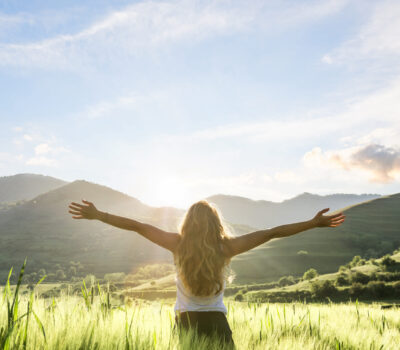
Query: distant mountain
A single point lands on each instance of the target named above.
(264, 214)
(43, 230)
(26, 186)
(371, 229)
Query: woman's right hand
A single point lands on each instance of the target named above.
(84, 211)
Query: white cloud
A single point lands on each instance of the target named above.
(381, 163)
(43, 148)
(41, 161)
(149, 24)
(27, 137)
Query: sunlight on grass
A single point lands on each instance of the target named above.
(69, 323)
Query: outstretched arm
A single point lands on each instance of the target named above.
(249, 241)
(88, 211)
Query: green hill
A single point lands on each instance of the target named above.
(26, 186)
(42, 230)
(372, 279)
(371, 229)
(263, 214)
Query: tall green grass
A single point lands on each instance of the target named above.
(95, 322)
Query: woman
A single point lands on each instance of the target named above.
(202, 250)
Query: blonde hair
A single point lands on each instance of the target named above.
(200, 256)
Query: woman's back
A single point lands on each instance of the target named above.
(186, 301)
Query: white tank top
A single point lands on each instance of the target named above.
(185, 301)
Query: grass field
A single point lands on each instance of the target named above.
(71, 322)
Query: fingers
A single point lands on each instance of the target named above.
(87, 202)
(74, 212)
(76, 209)
(339, 219)
(78, 217)
(336, 223)
(323, 211)
(335, 216)
(77, 204)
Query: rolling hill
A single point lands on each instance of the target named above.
(264, 214)
(42, 230)
(26, 186)
(371, 229)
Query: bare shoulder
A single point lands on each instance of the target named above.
(226, 248)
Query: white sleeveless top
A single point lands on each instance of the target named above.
(185, 301)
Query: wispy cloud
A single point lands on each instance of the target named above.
(150, 24)
(376, 44)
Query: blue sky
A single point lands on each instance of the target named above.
(173, 101)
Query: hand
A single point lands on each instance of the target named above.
(87, 211)
(328, 220)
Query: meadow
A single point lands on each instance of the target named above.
(76, 322)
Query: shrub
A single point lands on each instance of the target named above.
(388, 261)
(286, 281)
(60, 275)
(72, 271)
(396, 287)
(355, 261)
(310, 274)
(239, 296)
(323, 289)
(378, 289)
(342, 280)
(90, 280)
(114, 277)
(360, 277)
(342, 268)
(356, 289)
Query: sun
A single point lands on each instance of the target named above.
(167, 191)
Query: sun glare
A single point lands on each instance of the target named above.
(167, 191)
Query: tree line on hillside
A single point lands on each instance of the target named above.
(75, 272)
(383, 282)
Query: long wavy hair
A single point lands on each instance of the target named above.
(200, 257)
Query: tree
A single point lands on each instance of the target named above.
(239, 296)
(310, 274)
(286, 281)
(388, 261)
(356, 289)
(60, 275)
(323, 289)
(378, 289)
(360, 278)
(72, 271)
(342, 280)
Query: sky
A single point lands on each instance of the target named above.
(176, 100)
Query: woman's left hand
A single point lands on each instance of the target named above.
(321, 220)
